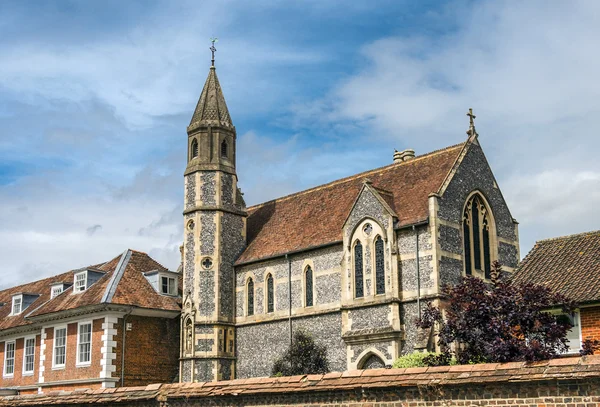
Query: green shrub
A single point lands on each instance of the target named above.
(414, 359)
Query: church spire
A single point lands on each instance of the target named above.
(211, 108)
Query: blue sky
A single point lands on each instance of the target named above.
(95, 98)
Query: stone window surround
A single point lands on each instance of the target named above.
(26, 372)
(359, 235)
(79, 325)
(492, 234)
(250, 278)
(193, 149)
(268, 273)
(14, 350)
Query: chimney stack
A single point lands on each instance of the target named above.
(403, 155)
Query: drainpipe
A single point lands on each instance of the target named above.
(123, 348)
(289, 261)
(418, 272)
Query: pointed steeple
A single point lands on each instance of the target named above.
(211, 109)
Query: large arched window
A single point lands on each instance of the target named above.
(379, 266)
(224, 152)
(270, 293)
(358, 270)
(194, 148)
(476, 231)
(250, 297)
(308, 284)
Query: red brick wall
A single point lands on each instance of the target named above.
(151, 350)
(71, 371)
(18, 379)
(590, 323)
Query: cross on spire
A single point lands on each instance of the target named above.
(213, 49)
(472, 117)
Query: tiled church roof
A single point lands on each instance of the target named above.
(569, 265)
(131, 289)
(315, 217)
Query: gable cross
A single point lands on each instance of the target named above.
(471, 122)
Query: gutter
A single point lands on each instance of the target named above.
(418, 272)
(123, 347)
(289, 261)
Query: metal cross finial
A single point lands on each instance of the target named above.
(213, 49)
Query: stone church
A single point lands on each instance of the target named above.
(380, 245)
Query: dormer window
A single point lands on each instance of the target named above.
(168, 285)
(83, 279)
(80, 282)
(57, 289)
(164, 282)
(17, 304)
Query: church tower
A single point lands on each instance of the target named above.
(214, 236)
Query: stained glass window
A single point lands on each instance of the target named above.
(476, 241)
(308, 276)
(379, 266)
(358, 270)
(467, 234)
(250, 305)
(486, 249)
(270, 298)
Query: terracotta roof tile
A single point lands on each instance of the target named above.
(569, 265)
(133, 289)
(570, 369)
(281, 226)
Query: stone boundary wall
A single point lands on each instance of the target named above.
(570, 382)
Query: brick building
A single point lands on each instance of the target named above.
(351, 261)
(569, 265)
(95, 327)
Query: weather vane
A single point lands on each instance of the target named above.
(213, 49)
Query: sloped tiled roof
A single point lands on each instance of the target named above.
(131, 289)
(569, 265)
(315, 217)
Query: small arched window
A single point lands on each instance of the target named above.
(270, 294)
(476, 235)
(250, 297)
(194, 148)
(379, 266)
(308, 284)
(224, 152)
(358, 270)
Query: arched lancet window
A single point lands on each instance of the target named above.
(358, 270)
(270, 293)
(194, 148)
(250, 297)
(308, 281)
(188, 336)
(476, 232)
(224, 152)
(379, 266)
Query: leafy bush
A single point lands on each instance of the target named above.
(304, 356)
(414, 359)
(499, 322)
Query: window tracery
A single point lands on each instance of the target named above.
(476, 236)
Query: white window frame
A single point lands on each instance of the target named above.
(77, 289)
(79, 361)
(14, 354)
(60, 287)
(54, 364)
(172, 292)
(25, 371)
(14, 298)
